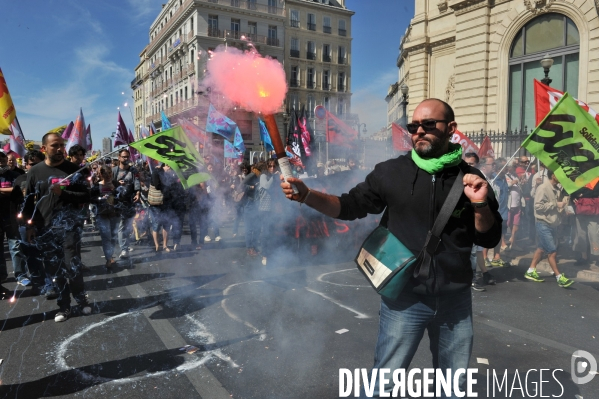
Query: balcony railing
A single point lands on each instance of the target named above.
(311, 26)
(326, 29)
(341, 60)
(214, 32)
(233, 34)
(294, 83)
(249, 5)
(294, 53)
(311, 56)
(181, 106)
(326, 86)
(342, 32)
(310, 85)
(326, 58)
(295, 23)
(272, 41)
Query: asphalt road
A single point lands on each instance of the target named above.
(277, 331)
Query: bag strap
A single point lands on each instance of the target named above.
(434, 235)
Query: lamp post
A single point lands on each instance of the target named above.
(404, 101)
(546, 63)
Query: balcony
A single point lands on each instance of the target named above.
(326, 58)
(310, 85)
(272, 41)
(295, 23)
(248, 5)
(326, 29)
(294, 83)
(342, 32)
(214, 32)
(311, 26)
(294, 53)
(236, 3)
(233, 34)
(341, 60)
(311, 56)
(326, 86)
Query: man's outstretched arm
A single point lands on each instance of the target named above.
(324, 203)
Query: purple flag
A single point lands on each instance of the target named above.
(88, 137)
(134, 153)
(121, 138)
(67, 132)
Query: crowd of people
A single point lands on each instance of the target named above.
(536, 212)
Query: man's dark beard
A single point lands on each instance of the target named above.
(435, 149)
(57, 157)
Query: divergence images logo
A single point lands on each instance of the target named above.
(583, 362)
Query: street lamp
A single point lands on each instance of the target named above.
(404, 100)
(546, 63)
(359, 125)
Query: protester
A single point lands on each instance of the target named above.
(586, 233)
(77, 155)
(127, 183)
(8, 224)
(104, 195)
(250, 213)
(13, 164)
(515, 207)
(549, 209)
(212, 205)
(57, 221)
(158, 213)
(403, 185)
(175, 206)
(239, 196)
(500, 187)
(267, 218)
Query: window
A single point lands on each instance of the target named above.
(341, 81)
(342, 31)
(213, 25)
(294, 82)
(295, 19)
(191, 54)
(311, 106)
(272, 6)
(191, 24)
(311, 22)
(326, 80)
(550, 33)
(310, 78)
(327, 103)
(253, 31)
(235, 3)
(326, 53)
(341, 55)
(245, 128)
(326, 24)
(340, 107)
(235, 23)
(294, 52)
(311, 53)
(272, 36)
(186, 92)
(293, 101)
(252, 5)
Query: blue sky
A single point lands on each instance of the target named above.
(60, 55)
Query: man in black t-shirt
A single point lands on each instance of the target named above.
(53, 207)
(8, 225)
(126, 180)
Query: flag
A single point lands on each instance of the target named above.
(293, 158)
(78, 133)
(294, 139)
(230, 151)
(264, 136)
(546, 97)
(144, 132)
(467, 144)
(134, 153)
(567, 142)
(402, 140)
(88, 138)
(194, 132)
(166, 124)
(17, 140)
(152, 128)
(220, 124)
(121, 137)
(238, 143)
(58, 130)
(486, 149)
(67, 132)
(302, 123)
(338, 132)
(175, 149)
(8, 113)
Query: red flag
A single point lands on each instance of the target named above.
(467, 144)
(486, 150)
(546, 97)
(339, 133)
(194, 132)
(77, 135)
(402, 140)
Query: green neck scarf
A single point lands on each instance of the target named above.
(434, 165)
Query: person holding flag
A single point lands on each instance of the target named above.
(126, 180)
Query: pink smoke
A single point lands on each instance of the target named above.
(247, 79)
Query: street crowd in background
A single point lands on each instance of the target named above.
(46, 204)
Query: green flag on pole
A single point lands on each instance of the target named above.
(174, 149)
(567, 142)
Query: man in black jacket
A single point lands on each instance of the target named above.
(413, 188)
(54, 210)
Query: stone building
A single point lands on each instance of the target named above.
(481, 56)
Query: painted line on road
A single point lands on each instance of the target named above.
(336, 302)
(525, 334)
(320, 278)
(202, 379)
(238, 319)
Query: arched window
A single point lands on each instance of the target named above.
(553, 34)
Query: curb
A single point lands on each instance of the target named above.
(588, 275)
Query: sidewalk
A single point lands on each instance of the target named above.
(566, 262)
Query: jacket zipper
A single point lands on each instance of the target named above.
(432, 209)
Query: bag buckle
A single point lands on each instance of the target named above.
(431, 243)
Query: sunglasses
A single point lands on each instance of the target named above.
(427, 125)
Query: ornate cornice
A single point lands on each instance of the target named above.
(540, 6)
(465, 6)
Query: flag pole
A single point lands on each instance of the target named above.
(507, 163)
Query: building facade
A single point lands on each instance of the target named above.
(106, 145)
(481, 56)
(185, 32)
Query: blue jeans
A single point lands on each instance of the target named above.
(108, 227)
(125, 229)
(448, 320)
(251, 221)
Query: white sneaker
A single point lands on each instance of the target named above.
(124, 254)
(131, 249)
(62, 315)
(217, 238)
(207, 239)
(86, 310)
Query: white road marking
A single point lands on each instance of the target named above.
(342, 331)
(238, 319)
(320, 278)
(336, 302)
(482, 360)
